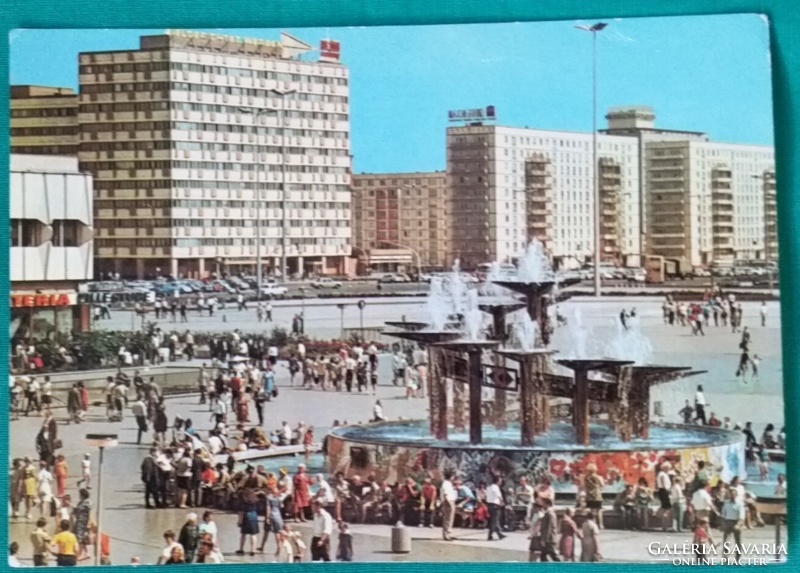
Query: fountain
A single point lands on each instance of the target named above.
(599, 414)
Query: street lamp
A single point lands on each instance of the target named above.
(595, 179)
(415, 253)
(280, 114)
(101, 441)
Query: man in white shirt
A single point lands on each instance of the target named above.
(215, 443)
(702, 502)
(323, 529)
(733, 515)
(448, 496)
(272, 353)
(286, 434)
(301, 351)
(218, 411)
(494, 500)
(324, 491)
(700, 406)
(524, 494)
(139, 411)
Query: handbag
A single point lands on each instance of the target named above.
(275, 392)
(57, 444)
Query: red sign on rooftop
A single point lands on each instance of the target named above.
(330, 50)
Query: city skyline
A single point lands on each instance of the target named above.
(681, 66)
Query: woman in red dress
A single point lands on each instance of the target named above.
(300, 495)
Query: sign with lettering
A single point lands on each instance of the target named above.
(475, 114)
(42, 300)
(190, 34)
(330, 50)
(115, 297)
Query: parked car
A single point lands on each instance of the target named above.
(271, 288)
(394, 278)
(325, 282)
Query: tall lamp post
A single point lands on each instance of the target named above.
(101, 441)
(594, 28)
(256, 113)
(766, 178)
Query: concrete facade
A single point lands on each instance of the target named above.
(499, 176)
(400, 215)
(710, 203)
(44, 120)
(51, 244)
(186, 136)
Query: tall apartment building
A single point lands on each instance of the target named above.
(399, 216)
(508, 184)
(192, 135)
(51, 246)
(710, 203)
(638, 121)
(44, 120)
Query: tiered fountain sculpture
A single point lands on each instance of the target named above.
(464, 362)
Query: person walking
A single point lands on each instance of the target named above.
(700, 406)
(273, 519)
(81, 519)
(590, 539)
(248, 522)
(151, 476)
(301, 497)
(189, 537)
(494, 500)
(448, 496)
(323, 529)
(763, 313)
(269, 311)
(569, 531)
(60, 470)
(65, 546)
(139, 411)
(663, 489)
(733, 514)
(548, 528)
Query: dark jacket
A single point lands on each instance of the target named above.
(150, 471)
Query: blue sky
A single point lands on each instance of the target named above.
(704, 73)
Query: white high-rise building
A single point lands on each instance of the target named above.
(191, 133)
(508, 184)
(710, 203)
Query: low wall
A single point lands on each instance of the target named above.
(171, 379)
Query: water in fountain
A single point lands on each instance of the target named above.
(437, 306)
(578, 335)
(473, 316)
(630, 343)
(525, 332)
(495, 274)
(534, 266)
(456, 289)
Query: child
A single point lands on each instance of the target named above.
(296, 539)
(345, 550)
(702, 541)
(86, 471)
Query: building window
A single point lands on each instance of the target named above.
(25, 233)
(65, 233)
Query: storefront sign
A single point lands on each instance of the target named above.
(476, 114)
(114, 297)
(42, 299)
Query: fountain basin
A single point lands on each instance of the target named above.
(397, 450)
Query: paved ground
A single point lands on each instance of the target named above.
(136, 532)
(717, 352)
